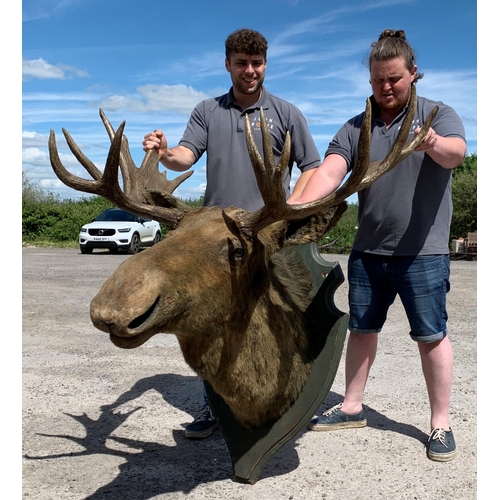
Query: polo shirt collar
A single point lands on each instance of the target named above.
(262, 102)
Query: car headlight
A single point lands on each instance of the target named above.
(83, 230)
(124, 230)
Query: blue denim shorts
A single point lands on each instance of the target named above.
(421, 282)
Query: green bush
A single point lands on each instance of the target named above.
(195, 203)
(464, 197)
(59, 221)
(340, 238)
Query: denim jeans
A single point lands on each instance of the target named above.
(421, 282)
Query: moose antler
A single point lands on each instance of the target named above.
(270, 176)
(137, 181)
(146, 191)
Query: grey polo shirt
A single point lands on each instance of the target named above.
(408, 210)
(217, 126)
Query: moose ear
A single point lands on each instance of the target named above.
(314, 227)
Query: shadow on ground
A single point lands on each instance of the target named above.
(155, 468)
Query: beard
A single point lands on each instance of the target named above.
(394, 105)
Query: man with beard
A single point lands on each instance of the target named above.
(401, 245)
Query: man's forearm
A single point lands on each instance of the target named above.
(301, 184)
(178, 159)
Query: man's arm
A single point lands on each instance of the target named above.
(449, 152)
(300, 184)
(178, 159)
(321, 181)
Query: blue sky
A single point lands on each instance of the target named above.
(151, 65)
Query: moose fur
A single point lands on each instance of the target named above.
(239, 311)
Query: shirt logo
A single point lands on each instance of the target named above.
(414, 124)
(255, 123)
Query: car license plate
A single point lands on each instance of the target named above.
(101, 239)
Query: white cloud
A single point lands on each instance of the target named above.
(193, 192)
(38, 158)
(35, 157)
(39, 68)
(177, 98)
(33, 139)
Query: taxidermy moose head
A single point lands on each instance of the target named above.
(226, 282)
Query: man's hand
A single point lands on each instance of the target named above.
(155, 140)
(429, 141)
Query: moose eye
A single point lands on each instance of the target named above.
(238, 253)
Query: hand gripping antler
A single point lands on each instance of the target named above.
(146, 191)
(138, 181)
(270, 176)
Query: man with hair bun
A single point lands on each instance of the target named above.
(401, 246)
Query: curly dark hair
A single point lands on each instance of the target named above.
(391, 44)
(246, 41)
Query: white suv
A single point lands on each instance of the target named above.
(116, 229)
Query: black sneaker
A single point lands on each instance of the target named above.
(335, 418)
(441, 445)
(203, 424)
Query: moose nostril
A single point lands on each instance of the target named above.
(135, 323)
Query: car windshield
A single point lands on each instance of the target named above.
(117, 216)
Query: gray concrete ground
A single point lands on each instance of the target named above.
(104, 423)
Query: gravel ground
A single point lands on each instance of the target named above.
(99, 422)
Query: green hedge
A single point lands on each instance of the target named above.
(340, 238)
(464, 196)
(59, 221)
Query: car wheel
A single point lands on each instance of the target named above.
(86, 250)
(157, 238)
(134, 244)
(113, 250)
